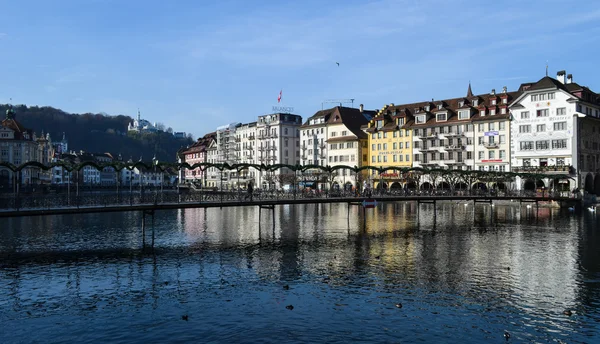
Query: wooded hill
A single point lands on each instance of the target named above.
(98, 133)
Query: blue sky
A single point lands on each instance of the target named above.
(195, 65)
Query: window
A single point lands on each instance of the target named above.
(407, 145)
(492, 154)
(491, 126)
(524, 114)
(441, 117)
(560, 126)
(504, 100)
(373, 146)
(502, 125)
(394, 134)
(542, 96)
(561, 111)
(400, 145)
(541, 128)
(379, 135)
(542, 113)
(526, 145)
(480, 140)
(407, 157)
(463, 114)
(502, 154)
(525, 128)
(492, 112)
(394, 158)
(559, 144)
(385, 146)
(420, 119)
(373, 136)
(560, 161)
(373, 158)
(503, 111)
(502, 139)
(481, 155)
(541, 145)
(475, 101)
(469, 155)
(482, 113)
(344, 133)
(551, 96)
(534, 97)
(480, 127)
(379, 146)
(493, 101)
(385, 134)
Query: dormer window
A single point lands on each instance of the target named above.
(461, 103)
(416, 110)
(504, 101)
(475, 101)
(401, 121)
(441, 117)
(493, 101)
(465, 114)
(492, 112)
(427, 108)
(482, 113)
(503, 111)
(439, 106)
(379, 124)
(420, 119)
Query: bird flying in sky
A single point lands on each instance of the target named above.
(337, 63)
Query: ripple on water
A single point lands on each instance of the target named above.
(85, 278)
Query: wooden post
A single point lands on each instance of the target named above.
(143, 230)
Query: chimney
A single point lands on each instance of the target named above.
(560, 76)
(569, 78)
(493, 92)
(361, 108)
(504, 89)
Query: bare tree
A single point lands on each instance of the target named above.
(160, 126)
(170, 130)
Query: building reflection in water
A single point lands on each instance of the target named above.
(505, 256)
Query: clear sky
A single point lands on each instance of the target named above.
(198, 64)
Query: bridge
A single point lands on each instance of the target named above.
(107, 201)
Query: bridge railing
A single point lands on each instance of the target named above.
(71, 200)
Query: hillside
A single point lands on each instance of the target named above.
(98, 133)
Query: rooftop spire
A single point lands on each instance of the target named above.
(469, 92)
(139, 116)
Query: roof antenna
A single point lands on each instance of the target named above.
(546, 67)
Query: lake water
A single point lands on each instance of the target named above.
(468, 275)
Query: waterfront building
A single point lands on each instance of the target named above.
(389, 142)
(196, 153)
(225, 154)
(556, 130)
(17, 146)
(333, 137)
(246, 153)
(278, 142)
(491, 127)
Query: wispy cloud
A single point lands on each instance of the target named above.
(3, 35)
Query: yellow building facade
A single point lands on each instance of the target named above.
(389, 145)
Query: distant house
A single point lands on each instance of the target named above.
(179, 134)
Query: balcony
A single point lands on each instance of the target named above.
(261, 149)
(237, 139)
(263, 136)
(490, 145)
(273, 148)
(454, 134)
(545, 169)
(251, 137)
(273, 135)
(454, 147)
(429, 149)
(454, 162)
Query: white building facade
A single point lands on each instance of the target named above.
(554, 121)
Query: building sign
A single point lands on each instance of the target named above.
(491, 133)
(389, 175)
(389, 153)
(283, 109)
(492, 160)
(543, 119)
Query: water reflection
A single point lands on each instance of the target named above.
(467, 273)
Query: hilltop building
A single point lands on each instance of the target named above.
(142, 126)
